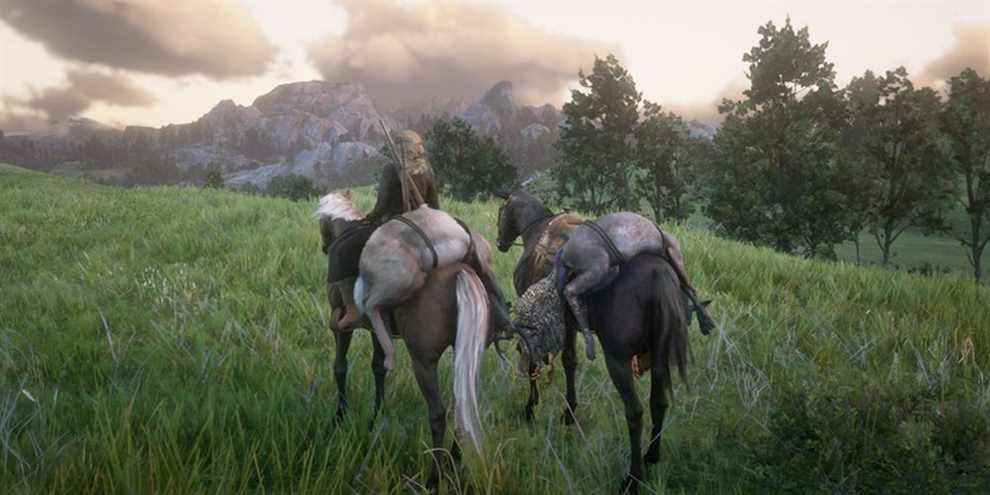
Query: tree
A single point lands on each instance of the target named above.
(773, 177)
(596, 156)
(894, 133)
(468, 165)
(966, 122)
(663, 159)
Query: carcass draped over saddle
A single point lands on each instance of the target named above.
(591, 258)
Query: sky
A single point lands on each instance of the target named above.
(152, 62)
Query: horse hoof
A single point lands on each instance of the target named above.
(568, 418)
(528, 415)
(652, 456)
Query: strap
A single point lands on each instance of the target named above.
(532, 224)
(613, 250)
(416, 229)
(470, 251)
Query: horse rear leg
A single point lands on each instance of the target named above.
(622, 377)
(343, 340)
(658, 408)
(595, 273)
(429, 385)
(379, 371)
(383, 336)
(534, 395)
(569, 358)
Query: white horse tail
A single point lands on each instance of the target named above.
(469, 345)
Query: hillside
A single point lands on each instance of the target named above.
(174, 340)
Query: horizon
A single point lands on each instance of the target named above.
(120, 63)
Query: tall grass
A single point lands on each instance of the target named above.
(175, 340)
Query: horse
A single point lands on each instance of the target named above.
(451, 309)
(399, 256)
(642, 312)
(594, 253)
(542, 232)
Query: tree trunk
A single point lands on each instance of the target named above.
(976, 248)
(859, 259)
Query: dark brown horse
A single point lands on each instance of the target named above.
(642, 312)
(542, 233)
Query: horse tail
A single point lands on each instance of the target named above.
(469, 344)
(670, 323)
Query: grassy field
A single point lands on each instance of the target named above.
(174, 340)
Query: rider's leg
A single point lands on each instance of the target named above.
(351, 315)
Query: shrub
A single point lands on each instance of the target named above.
(294, 187)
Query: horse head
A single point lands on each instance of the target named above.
(519, 211)
(337, 214)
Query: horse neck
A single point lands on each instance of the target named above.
(531, 214)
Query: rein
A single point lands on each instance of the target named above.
(530, 225)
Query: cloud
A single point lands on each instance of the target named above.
(214, 38)
(81, 90)
(14, 122)
(707, 111)
(971, 49)
(404, 53)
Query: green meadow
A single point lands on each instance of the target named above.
(175, 340)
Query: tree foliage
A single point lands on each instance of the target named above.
(596, 159)
(617, 149)
(894, 139)
(468, 165)
(664, 157)
(774, 179)
(966, 123)
(294, 187)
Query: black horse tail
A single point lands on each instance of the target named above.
(670, 323)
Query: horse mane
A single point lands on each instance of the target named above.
(337, 205)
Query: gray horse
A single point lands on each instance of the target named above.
(592, 257)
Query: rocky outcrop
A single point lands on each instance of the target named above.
(317, 129)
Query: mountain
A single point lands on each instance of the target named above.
(329, 132)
